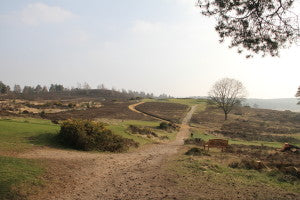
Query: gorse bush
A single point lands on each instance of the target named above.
(88, 135)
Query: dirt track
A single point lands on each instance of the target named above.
(134, 175)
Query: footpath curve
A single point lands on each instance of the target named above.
(132, 107)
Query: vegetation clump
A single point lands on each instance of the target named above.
(194, 141)
(143, 131)
(196, 152)
(88, 135)
(168, 126)
(248, 164)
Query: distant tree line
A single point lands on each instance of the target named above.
(59, 88)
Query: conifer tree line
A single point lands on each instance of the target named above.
(17, 89)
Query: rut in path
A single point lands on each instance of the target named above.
(134, 175)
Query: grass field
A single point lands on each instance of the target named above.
(120, 128)
(19, 134)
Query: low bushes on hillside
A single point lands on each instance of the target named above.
(249, 136)
(168, 126)
(195, 141)
(143, 131)
(197, 152)
(88, 135)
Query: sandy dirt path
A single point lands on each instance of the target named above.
(134, 176)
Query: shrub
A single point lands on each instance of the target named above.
(143, 131)
(25, 112)
(248, 164)
(197, 152)
(168, 126)
(42, 114)
(71, 105)
(88, 135)
(195, 141)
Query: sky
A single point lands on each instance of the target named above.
(159, 46)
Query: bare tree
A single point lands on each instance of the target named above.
(259, 26)
(226, 93)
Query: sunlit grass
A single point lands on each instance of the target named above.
(18, 134)
(121, 128)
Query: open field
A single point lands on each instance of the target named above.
(173, 112)
(251, 125)
(19, 135)
(158, 169)
(210, 177)
(111, 110)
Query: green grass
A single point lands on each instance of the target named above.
(19, 134)
(200, 134)
(120, 128)
(15, 171)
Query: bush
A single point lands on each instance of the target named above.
(25, 112)
(88, 135)
(143, 131)
(71, 105)
(248, 164)
(195, 141)
(42, 114)
(197, 152)
(168, 126)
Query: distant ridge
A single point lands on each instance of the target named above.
(275, 104)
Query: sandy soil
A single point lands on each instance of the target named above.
(133, 175)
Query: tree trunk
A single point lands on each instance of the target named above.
(225, 116)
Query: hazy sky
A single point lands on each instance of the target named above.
(160, 46)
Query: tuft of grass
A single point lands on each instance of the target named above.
(16, 171)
